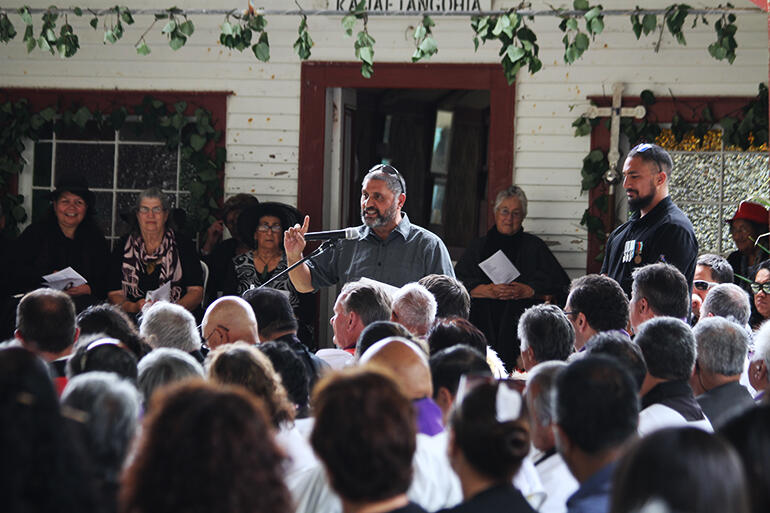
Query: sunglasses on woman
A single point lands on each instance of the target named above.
(764, 287)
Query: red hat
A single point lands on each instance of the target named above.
(750, 211)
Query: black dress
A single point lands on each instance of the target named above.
(43, 248)
(502, 498)
(539, 269)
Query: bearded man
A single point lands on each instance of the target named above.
(388, 248)
(657, 230)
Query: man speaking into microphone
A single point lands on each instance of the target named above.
(386, 248)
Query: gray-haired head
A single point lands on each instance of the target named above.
(722, 345)
(169, 325)
(762, 343)
(388, 174)
(727, 300)
(721, 270)
(514, 191)
(415, 308)
(165, 366)
(668, 347)
(368, 300)
(541, 383)
(547, 330)
(153, 193)
(112, 407)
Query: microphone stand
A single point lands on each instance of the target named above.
(329, 243)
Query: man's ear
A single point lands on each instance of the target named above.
(401, 200)
(444, 399)
(581, 321)
(77, 335)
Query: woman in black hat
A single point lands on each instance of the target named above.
(262, 228)
(67, 236)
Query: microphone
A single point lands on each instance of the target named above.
(347, 233)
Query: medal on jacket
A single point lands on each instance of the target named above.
(638, 253)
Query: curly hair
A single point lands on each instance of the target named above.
(365, 434)
(245, 365)
(205, 449)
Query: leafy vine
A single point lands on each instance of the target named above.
(194, 135)
(518, 42)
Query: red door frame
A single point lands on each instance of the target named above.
(317, 76)
(662, 111)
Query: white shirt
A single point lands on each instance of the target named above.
(658, 416)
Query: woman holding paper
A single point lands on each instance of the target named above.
(154, 261)
(496, 305)
(67, 237)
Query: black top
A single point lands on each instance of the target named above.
(666, 235)
(409, 508)
(539, 269)
(192, 273)
(503, 498)
(220, 262)
(678, 396)
(43, 248)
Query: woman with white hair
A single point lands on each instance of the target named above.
(759, 376)
(496, 307)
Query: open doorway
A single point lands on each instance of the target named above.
(436, 138)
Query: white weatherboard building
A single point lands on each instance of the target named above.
(264, 125)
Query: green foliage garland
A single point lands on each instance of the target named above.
(195, 137)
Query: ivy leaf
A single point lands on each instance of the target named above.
(169, 27)
(581, 42)
(592, 14)
(118, 117)
(126, 16)
(177, 42)
(366, 54)
(180, 106)
(48, 113)
(647, 97)
(142, 48)
(109, 36)
(649, 23)
(262, 48)
(94, 22)
(197, 142)
(26, 17)
(515, 53)
(227, 29)
(348, 22)
(580, 5)
(187, 28)
(596, 26)
(81, 117)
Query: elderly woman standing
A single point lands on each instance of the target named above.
(152, 255)
(68, 236)
(747, 225)
(496, 308)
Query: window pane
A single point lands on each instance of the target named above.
(103, 212)
(40, 201)
(705, 219)
(124, 214)
(746, 175)
(42, 173)
(135, 131)
(96, 161)
(142, 166)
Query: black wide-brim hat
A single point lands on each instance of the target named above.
(76, 184)
(249, 219)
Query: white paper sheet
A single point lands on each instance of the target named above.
(64, 279)
(162, 293)
(499, 268)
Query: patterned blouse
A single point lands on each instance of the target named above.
(248, 277)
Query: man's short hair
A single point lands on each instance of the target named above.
(452, 298)
(597, 405)
(165, 366)
(648, 152)
(668, 346)
(721, 270)
(415, 307)
(455, 330)
(369, 301)
(721, 345)
(170, 325)
(365, 434)
(112, 321)
(601, 300)
(727, 300)
(272, 309)
(547, 331)
(665, 289)
(293, 373)
(449, 364)
(379, 330)
(45, 318)
(388, 174)
(617, 345)
(98, 352)
(543, 378)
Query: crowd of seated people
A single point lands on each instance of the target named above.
(116, 401)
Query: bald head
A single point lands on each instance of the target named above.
(229, 319)
(406, 361)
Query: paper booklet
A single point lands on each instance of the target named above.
(64, 279)
(162, 293)
(499, 268)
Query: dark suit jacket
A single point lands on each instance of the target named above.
(725, 401)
